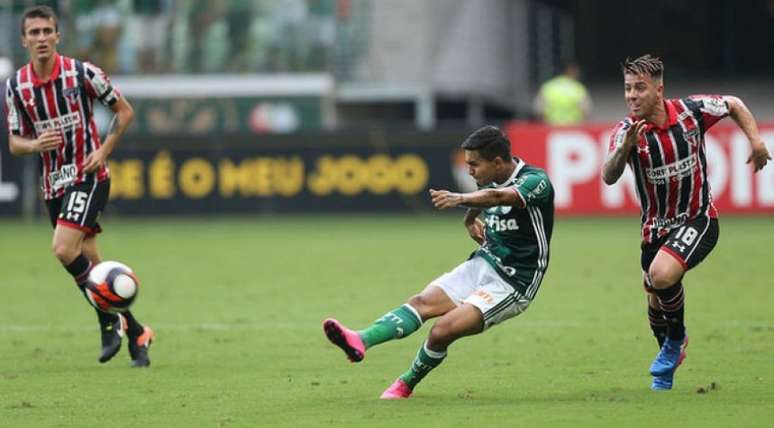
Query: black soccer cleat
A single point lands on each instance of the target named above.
(138, 347)
(112, 334)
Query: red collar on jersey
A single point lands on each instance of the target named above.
(671, 114)
(671, 117)
(54, 73)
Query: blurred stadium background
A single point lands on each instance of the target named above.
(328, 105)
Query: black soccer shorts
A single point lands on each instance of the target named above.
(689, 244)
(80, 207)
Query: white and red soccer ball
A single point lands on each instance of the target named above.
(112, 287)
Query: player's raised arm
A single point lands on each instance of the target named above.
(484, 198)
(616, 162)
(746, 122)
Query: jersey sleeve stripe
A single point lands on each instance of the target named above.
(522, 201)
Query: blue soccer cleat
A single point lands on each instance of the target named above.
(668, 358)
(662, 383)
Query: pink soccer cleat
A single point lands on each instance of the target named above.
(399, 390)
(349, 341)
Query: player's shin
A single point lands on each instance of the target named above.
(133, 327)
(79, 269)
(395, 324)
(657, 324)
(425, 361)
(672, 302)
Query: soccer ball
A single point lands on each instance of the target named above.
(111, 287)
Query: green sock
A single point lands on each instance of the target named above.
(425, 361)
(396, 324)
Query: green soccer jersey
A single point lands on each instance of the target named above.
(517, 239)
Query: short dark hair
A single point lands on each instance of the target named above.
(646, 64)
(44, 12)
(490, 142)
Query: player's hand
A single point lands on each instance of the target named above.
(759, 156)
(94, 161)
(634, 133)
(47, 141)
(476, 231)
(443, 199)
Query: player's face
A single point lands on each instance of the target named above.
(482, 170)
(642, 94)
(40, 38)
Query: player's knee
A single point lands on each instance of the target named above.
(64, 253)
(661, 277)
(441, 335)
(421, 304)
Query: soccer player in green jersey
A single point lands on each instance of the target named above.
(497, 282)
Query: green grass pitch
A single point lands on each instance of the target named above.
(237, 305)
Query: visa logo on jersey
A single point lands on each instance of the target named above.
(500, 224)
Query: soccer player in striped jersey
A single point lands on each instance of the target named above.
(50, 104)
(662, 141)
(497, 282)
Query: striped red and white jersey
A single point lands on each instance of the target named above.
(670, 164)
(64, 103)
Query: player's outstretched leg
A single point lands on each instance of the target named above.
(395, 324)
(348, 340)
(112, 329)
(140, 339)
(425, 361)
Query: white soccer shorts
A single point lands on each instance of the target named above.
(476, 282)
